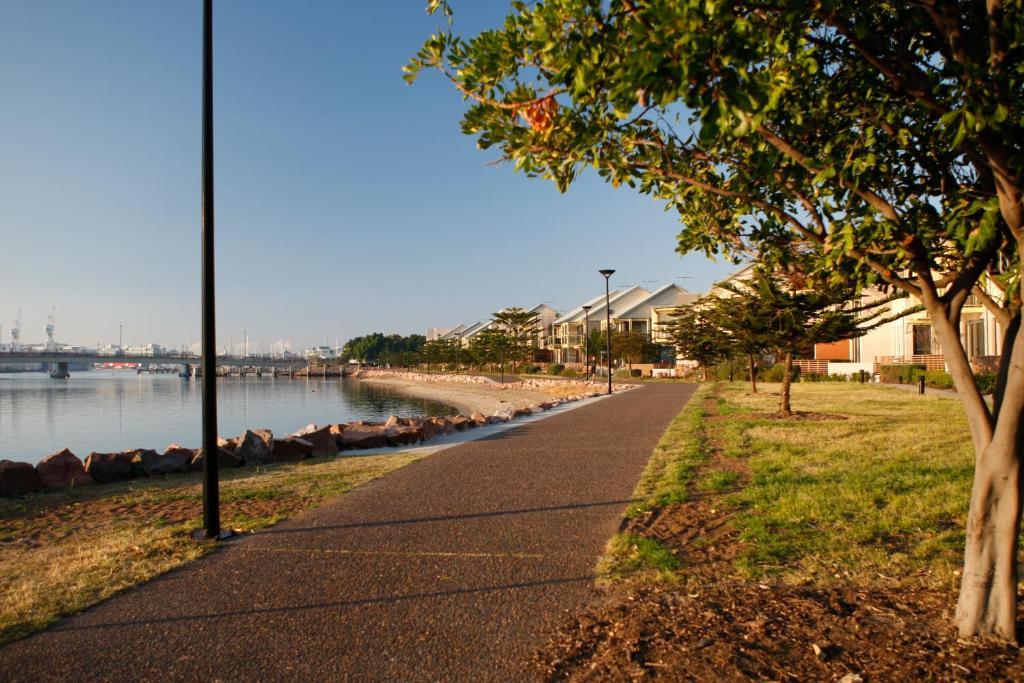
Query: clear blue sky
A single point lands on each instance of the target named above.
(347, 201)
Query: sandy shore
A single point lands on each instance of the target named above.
(477, 394)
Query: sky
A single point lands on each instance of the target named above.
(347, 201)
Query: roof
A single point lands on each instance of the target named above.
(475, 328)
(596, 304)
(667, 295)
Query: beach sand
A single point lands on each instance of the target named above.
(470, 395)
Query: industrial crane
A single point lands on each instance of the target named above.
(50, 327)
(16, 332)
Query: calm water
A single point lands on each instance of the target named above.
(107, 410)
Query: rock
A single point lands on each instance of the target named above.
(61, 470)
(502, 415)
(17, 478)
(851, 678)
(404, 435)
(227, 444)
(364, 436)
(256, 447)
(522, 412)
(393, 421)
(478, 419)
(325, 443)
(225, 458)
(337, 430)
(108, 467)
(428, 429)
(443, 424)
(308, 429)
(292, 449)
(164, 463)
(460, 422)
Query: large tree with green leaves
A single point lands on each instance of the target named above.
(885, 137)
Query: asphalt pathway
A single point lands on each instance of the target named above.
(455, 567)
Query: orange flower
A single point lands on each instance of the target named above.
(540, 113)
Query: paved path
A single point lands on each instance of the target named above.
(452, 568)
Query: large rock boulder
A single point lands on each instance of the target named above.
(225, 458)
(168, 462)
(324, 442)
(227, 444)
(108, 467)
(336, 431)
(358, 435)
(292, 449)
(460, 422)
(478, 419)
(404, 435)
(17, 478)
(256, 447)
(61, 470)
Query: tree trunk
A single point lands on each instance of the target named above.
(705, 369)
(753, 373)
(987, 605)
(785, 410)
(988, 589)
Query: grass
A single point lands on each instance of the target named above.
(62, 552)
(681, 449)
(870, 485)
(629, 554)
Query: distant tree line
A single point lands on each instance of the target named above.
(381, 348)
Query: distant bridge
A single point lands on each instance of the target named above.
(59, 360)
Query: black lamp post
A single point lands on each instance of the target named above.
(211, 483)
(607, 272)
(586, 343)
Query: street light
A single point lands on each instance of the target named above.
(586, 344)
(211, 484)
(608, 272)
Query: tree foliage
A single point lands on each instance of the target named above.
(369, 348)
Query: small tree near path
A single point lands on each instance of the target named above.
(696, 337)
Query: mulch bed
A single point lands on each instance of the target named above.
(749, 631)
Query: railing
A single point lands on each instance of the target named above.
(931, 361)
(811, 366)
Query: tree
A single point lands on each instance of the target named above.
(884, 137)
(776, 312)
(520, 328)
(697, 337)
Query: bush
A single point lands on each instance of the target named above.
(986, 382)
(555, 369)
(776, 372)
(636, 373)
(900, 374)
(823, 377)
(529, 369)
(570, 373)
(940, 379)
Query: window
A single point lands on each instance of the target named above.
(922, 340)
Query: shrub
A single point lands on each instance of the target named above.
(529, 370)
(823, 377)
(776, 372)
(637, 372)
(555, 369)
(940, 379)
(570, 373)
(900, 374)
(986, 382)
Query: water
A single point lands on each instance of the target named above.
(106, 410)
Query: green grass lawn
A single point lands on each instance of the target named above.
(868, 485)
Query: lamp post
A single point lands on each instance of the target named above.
(211, 484)
(607, 272)
(586, 343)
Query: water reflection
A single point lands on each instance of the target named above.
(107, 411)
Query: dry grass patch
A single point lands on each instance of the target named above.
(62, 552)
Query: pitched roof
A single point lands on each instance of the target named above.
(666, 295)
